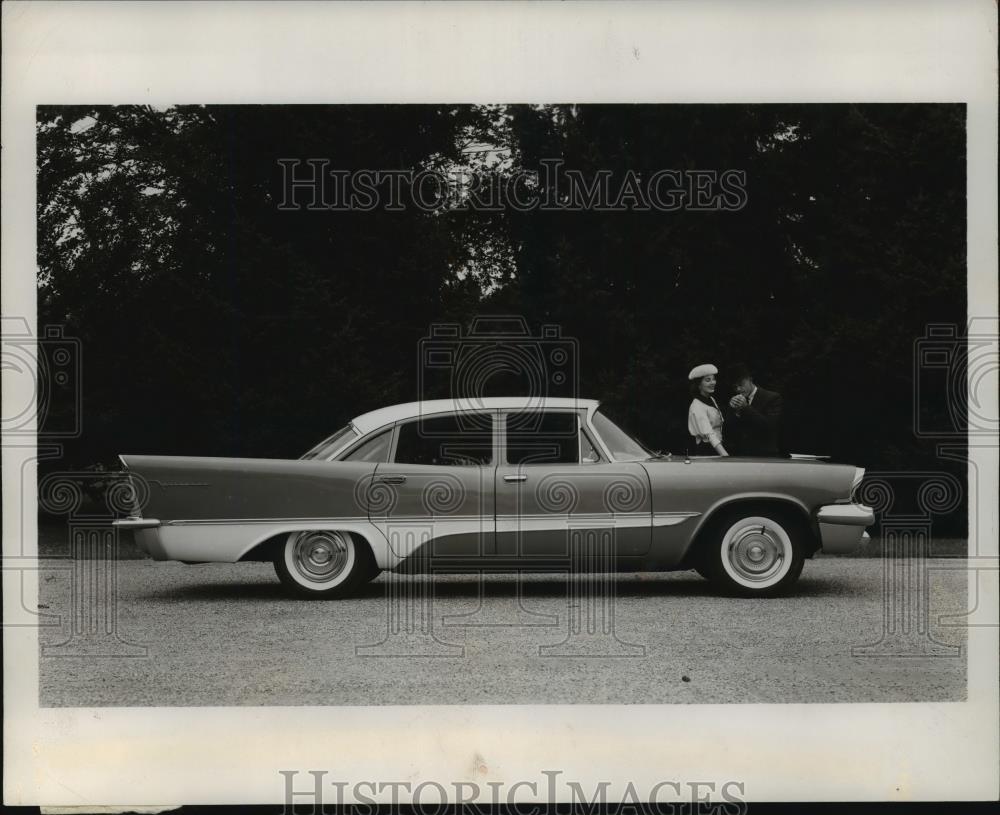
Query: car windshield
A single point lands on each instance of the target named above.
(330, 445)
(623, 446)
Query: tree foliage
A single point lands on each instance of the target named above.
(212, 321)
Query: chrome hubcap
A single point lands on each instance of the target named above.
(320, 556)
(756, 552)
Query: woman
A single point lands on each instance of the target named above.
(704, 416)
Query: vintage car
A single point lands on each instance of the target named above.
(495, 484)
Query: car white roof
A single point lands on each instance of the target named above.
(367, 422)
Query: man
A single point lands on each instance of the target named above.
(755, 417)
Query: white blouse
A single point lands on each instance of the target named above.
(705, 422)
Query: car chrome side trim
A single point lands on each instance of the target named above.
(556, 521)
(630, 518)
(672, 518)
(225, 521)
(580, 516)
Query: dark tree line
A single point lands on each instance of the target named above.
(211, 321)
(851, 242)
(214, 323)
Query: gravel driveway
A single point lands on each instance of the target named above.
(227, 635)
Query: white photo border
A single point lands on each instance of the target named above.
(170, 53)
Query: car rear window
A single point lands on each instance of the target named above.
(332, 444)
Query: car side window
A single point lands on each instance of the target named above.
(543, 438)
(588, 450)
(454, 440)
(375, 449)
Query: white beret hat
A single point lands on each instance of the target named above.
(702, 370)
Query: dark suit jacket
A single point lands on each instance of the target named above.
(755, 429)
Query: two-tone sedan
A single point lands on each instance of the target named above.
(495, 484)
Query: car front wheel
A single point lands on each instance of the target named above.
(324, 564)
(755, 555)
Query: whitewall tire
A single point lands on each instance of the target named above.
(757, 554)
(323, 563)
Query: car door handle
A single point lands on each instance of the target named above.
(515, 478)
(390, 479)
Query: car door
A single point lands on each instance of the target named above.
(435, 494)
(553, 485)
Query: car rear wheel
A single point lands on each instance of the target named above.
(755, 554)
(324, 564)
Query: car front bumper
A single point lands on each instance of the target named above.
(842, 527)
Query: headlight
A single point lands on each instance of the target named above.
(859, 474)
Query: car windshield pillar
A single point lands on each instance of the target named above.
(621, 445)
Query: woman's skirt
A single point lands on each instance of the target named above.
(703, 448)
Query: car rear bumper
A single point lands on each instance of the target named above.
(842, 527)
(136, 523)
(146, 532)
